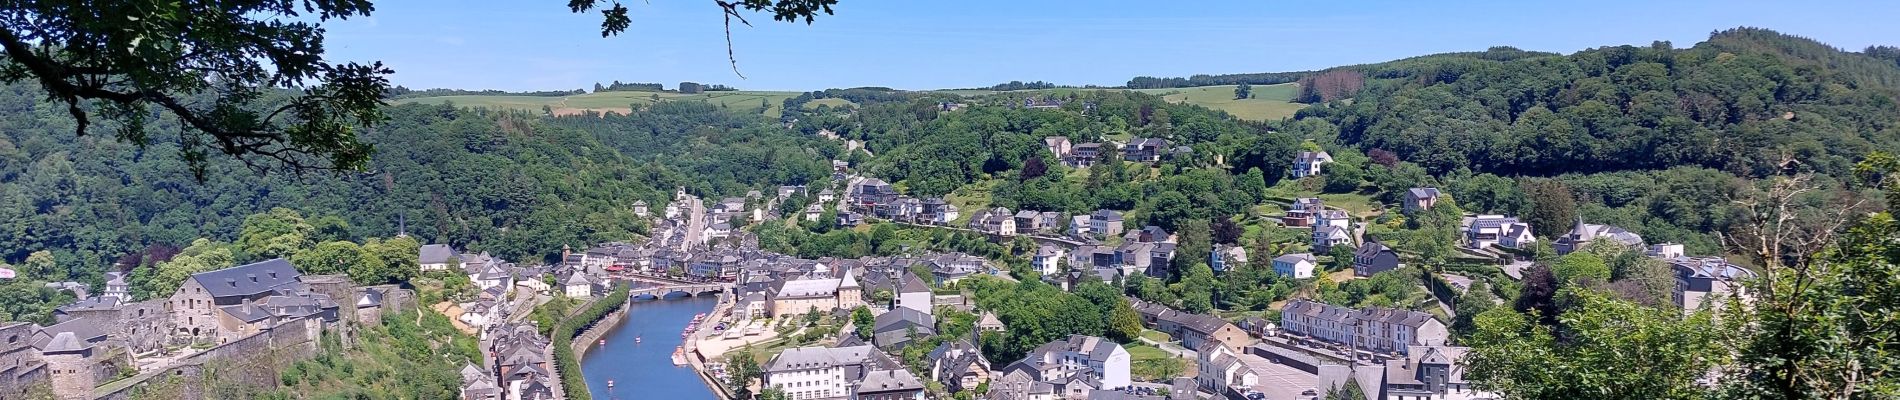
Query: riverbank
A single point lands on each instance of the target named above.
(697, 360)
(587, 339)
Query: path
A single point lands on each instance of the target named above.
(1171, 348)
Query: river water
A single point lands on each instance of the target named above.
(645, 370)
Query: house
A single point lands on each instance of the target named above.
(1325, 237)
(1333, 218)
(1374, 329)
(1150, 234)
(1707, 282)
(1584, 234)
(1484, 231)
(1665, 251)
(1058, 146)
(578, 285)
(997, 221)
(1049, 222)
(827, 196)
(948, 215)
(1303, 212)
(987, 322)
(1082, 155)
(800, 296)
(958, 365)
(805, 373)
(813, 211)
(872, 192)
(1430, 372)
(1226, 257)
(1307, 163)
(1105, 223)
(1145, 150)
(235, 302)
(435, 257)
(912, 292)
(1193, 330)
(1079, 226)
(850, 219)
(1028, 221)
(894, 329)
(890, 384)
(1048, 259)
(640, 208)
(1373, 258)
(1296, 265)
(1420, 199)
(1089, 358)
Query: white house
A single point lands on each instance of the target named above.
(1325, 237)
(1097, 358)
(1307, 163)
(578, 285)
(1048, 259)
(1373, 329)
(1496, 230)
(805, 373)
(1296, 265)
(435, 257)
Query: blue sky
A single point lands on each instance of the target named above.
(539, 45)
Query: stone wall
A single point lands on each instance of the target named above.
(255, 361)
(586, 339)
(20, 365)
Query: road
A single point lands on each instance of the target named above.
(695, 223)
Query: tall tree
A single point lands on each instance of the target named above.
(281, 232)
(1553, 208)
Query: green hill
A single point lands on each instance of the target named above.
(619, 101)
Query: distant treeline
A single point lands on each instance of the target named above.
(1020, 85)
(860, 95)
(684, 87)
(1499, 53)
(400, 92)
(617, 86)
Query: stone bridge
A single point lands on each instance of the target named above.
(694, 289)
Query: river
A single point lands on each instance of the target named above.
(645, 370)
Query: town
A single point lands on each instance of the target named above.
(238, 200)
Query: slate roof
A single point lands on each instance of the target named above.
(903, 318)
(249, 279)
(370, 298)
(890, 380)
(1295, 258)
(1422, 192)
(800, 358)
(435, 254)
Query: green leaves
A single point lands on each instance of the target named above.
(1592, 350)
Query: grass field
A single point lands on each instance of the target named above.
(1269, 102)
(619, 101)
(1148, 363)
(969, 199)
(1155, 335)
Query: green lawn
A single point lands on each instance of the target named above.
(1359, 204)
(969, 199)
(619, 101)
(1149, 363)
(1269, 102)
(1155, 335)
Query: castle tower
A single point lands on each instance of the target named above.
(850, 295)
